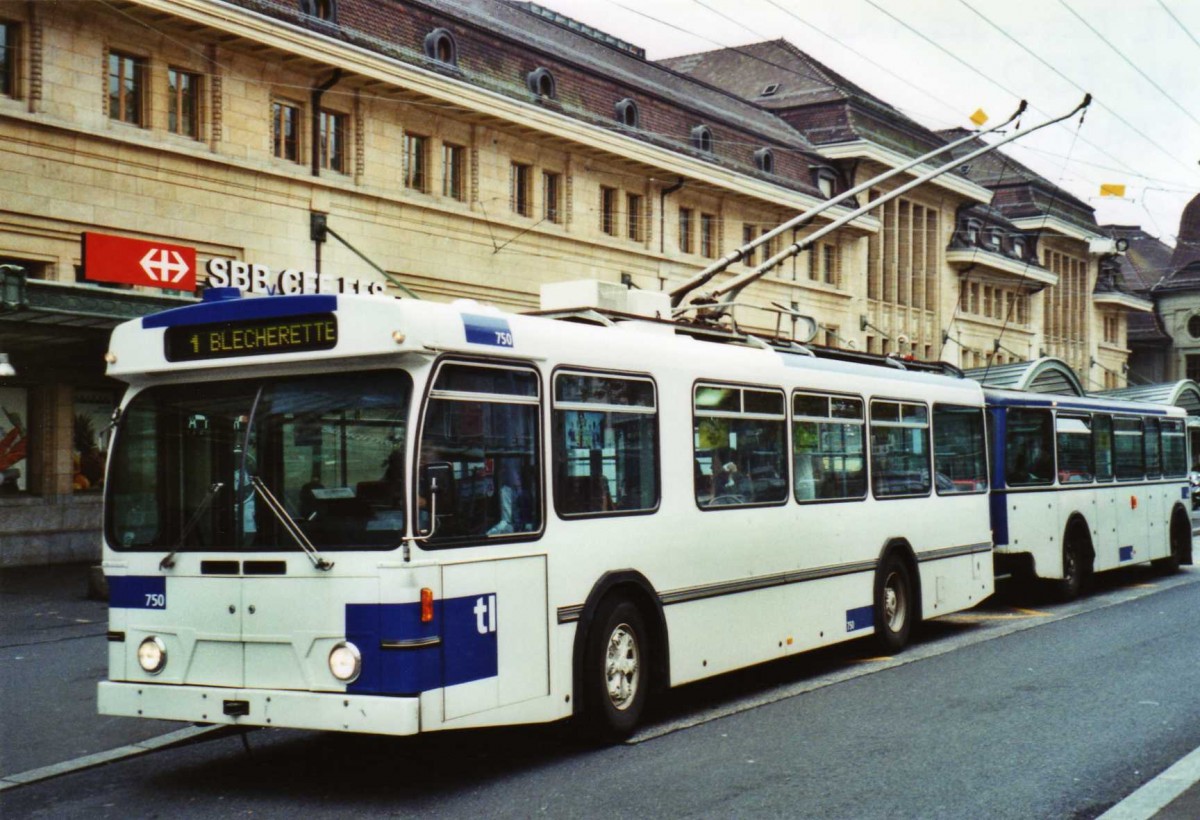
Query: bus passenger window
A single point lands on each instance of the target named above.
(1127, 448)
(1029, 447)
(1151, 443)
(1102, 445)
(605, 444)
(958, 450)
(740, 455)
(483, 422)
(1073, 435)
(828, 460)
(1174, 449)
(899, 449)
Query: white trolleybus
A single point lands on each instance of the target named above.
(1084, 485)
(392, 516)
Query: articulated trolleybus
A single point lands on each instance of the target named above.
(1084, 485)
(374, 515)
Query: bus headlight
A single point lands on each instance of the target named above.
(345, 662)
(152, 655)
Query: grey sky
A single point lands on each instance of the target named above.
(1138, 58)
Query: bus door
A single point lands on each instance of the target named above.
(494, 636)
(1154, 542)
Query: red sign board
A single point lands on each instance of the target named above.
(138, 262)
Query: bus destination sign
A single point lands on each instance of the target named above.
(252, 337)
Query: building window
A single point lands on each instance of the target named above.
(764, 160)
(1112, 329)
(285, 125)
(1194, 327)
(541, 83)
(1193, 368)
(749, 232)
(14, 410)
(770, 90)
(627, 113)
(321, 9)
(333, 141)
(519, 192)
(452, 171)
(416, 162)
(552, 196)
(92, 429)
(608, 210)
(708, 236)
(183, 107)
(8, 59)
(686, 216)
(633, 208)
(826, 183)
(126, 85)
(441, 46)
(702, 139)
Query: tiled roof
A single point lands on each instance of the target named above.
(1145, 329)
(1185, 261)
(826, 106)
(1147, 260)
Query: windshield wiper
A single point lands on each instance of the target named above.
(289, 524)
(168, 561)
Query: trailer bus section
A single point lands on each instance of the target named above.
(1085, 485)
(391, 516)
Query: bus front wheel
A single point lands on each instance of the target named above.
(616, 670)
(895, 603)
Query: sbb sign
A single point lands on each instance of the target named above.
(251, 277)
(138, 262)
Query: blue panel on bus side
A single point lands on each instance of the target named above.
(468, 650)
(1125, 553)
(137, 592)
(487, 330)
(232, 310)
(1185, 493)
(861, 618)
(998, 506)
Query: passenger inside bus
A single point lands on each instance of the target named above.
(514, 502)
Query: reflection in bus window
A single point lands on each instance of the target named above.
(1102, 445)
(1029, 448)
(959, 449)
(827, 448)
(740, 454)
(1127, 448)
(1074, 438)
(605, 444)
(1174, 448)
(482, 421)
(899, 449)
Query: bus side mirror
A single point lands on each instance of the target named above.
(437, 482)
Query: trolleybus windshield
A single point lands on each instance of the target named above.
(330, 448)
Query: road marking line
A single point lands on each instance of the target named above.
(1155, 795)
(11, 781)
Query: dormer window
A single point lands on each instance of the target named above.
(993, 239)
(321, 9)
(702, 139)
(764, 160)
(541, 83)
(1018, 247)
(971, 233)
(770, 90)
(627, 113)
(440, 45)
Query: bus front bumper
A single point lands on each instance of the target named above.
(325, 711)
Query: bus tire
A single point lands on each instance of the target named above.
(1076, 569)
(895, 603)
(1181, 536)
(616, 670)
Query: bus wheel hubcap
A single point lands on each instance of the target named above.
(893, 603)
(621, 666)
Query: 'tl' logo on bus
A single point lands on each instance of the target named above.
(485, 614)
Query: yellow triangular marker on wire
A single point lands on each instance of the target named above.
(1111, 189)
(979, 117)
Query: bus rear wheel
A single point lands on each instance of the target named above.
(895, 604)
(616, 670)
(1075, 571)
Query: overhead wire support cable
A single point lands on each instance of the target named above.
(729, 291)
(706, 275)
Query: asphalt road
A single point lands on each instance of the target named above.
(1017, 709)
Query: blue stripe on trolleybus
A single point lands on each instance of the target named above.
(402, 656)
(137, 592)
(232, 310)
(487, 330)
(861, 618)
